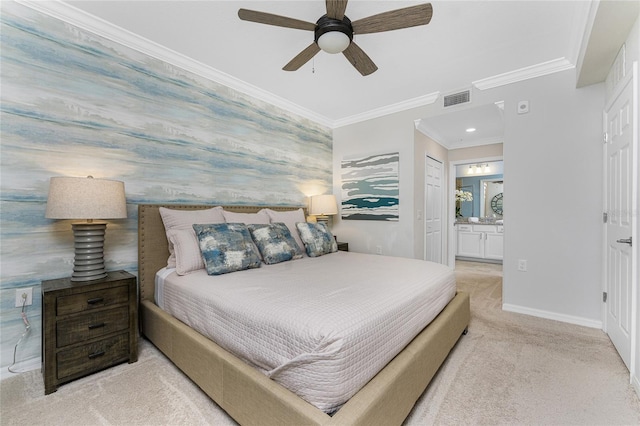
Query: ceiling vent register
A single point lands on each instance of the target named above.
(457, 98)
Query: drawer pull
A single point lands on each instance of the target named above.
(94, 326)
(96, 354)
(95, 300)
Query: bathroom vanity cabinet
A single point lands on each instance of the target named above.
(480, 241)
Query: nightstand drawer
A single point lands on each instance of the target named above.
(92, 300)
(93, 356)
(89, 326)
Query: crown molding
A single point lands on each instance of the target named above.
(81, 19)
(477, 142)
(428, 132)
(388, 109)
(454, 145)
(526, 73)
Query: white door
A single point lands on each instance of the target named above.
(620, 187)
(433, 210)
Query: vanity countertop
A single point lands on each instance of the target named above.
(466, 222)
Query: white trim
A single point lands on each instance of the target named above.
(389, 109)
(552, 316)
(581, 43)
(81, 19)
(422, 128)
(477, 142)
(526, 73)
(454, 145)
(451, 209)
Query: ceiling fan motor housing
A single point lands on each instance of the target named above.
(327, 25)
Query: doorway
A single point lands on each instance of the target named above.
(469, 175)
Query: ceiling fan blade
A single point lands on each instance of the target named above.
(359, 59)
(302, 57)
(277, 20)
(394, 20)
(336, 8)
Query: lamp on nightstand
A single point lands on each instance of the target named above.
(322, 206)
(87, 198)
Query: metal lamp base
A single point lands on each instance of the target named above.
(88, 264)
(323, 219)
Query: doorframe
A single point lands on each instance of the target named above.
(451, 202)
(443, 211)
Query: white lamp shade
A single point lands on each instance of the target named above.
(334, 41)
(323, 205)
(85, 198)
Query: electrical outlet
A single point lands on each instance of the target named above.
(21, 294)
(522, 265)
(378, 249)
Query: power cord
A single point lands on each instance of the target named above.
(27, 329)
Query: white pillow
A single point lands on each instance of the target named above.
(185, 219)
(188, 257)
(289, 218)
(247, 218)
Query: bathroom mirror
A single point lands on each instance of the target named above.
(491, 193)
(485, 182)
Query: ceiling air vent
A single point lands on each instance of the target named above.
(457, 98)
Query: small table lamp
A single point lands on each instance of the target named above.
(322, 206)
(87, 198)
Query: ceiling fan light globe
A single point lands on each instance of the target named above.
(334, 41)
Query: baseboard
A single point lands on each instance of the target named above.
(21, 367)
(635, 384)
(553, 316)
(479, 260)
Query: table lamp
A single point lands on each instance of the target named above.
(89, 199)
(322, 206)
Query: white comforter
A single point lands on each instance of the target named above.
(322, 327)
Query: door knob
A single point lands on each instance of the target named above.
(625, 241)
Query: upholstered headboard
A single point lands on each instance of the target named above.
(153, 248)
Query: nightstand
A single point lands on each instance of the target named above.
(87, 326)
(343, 246)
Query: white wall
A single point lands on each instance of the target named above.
(393, 133)
(553, 181)
(552, 158)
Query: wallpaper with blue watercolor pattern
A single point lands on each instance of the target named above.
(76, 104)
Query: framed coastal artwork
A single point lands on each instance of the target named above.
(370, 187)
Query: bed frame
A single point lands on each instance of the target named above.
(252, 398)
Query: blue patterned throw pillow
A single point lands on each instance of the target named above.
(226, 247)
(275, 242)
(317, 238)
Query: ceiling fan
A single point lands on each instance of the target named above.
(334, 31)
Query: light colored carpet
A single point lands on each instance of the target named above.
(510, 369)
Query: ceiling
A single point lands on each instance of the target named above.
(465, 42)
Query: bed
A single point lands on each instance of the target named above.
(248, 395)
